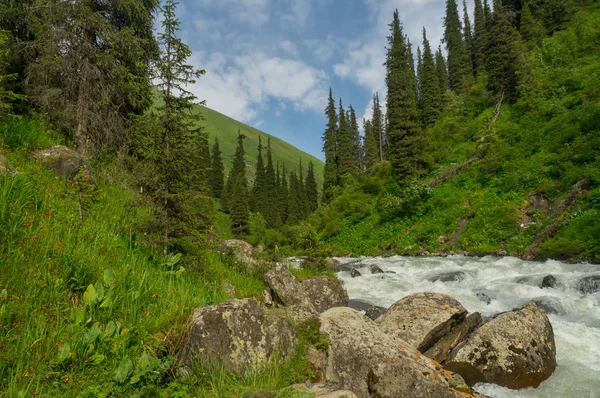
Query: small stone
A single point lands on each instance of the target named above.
(354, 273)
(268, 300)
(376, 270)
(549, 282)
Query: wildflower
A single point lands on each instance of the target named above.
(146, 312)
(36, 393)
(57, 344)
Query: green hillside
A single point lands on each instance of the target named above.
(226, 129)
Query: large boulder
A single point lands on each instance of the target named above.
(454, 276)
(589, 284)
(442, 348)
(549, 282)
(238, 334)
(325, 293)
(243, 252)
(422, 319)
(514, 350)
(64, 162)
(315, 295)
(363, 359)
(5, 167)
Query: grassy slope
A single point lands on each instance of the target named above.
(542, 145)
(55, 339)
(226, 129)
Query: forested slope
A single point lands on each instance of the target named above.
(520, 177)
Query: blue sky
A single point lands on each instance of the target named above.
(270, 63)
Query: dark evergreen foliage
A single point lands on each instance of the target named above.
(345, 147)
(238, 196)
(330, 143)
(460, 73)
(402, 115)
(217, 172)
(431, 96)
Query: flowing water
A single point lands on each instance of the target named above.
(509, 283)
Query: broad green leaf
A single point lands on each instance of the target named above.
(109, 277)
(64, 352)
(90, 296)
(93, 333)
(97, 359)
(110, 329)
(99, 291)
(78, 315)
(107, 303)
(123, 371)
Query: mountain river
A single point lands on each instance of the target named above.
(509, 283)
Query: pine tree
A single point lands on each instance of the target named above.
(259, 195)
(468, 35)
(301, 194)
(487, 12)
(217, 180)
(502, 58)
(272, 209)
(312, 192)
(346, 165)
(459, 64)
(479, 38)
(442, 77)
(430, 86)
(419, 77)
(532, 31)
(356, 141)
(330, 142)
(238, 194)
(402, 114)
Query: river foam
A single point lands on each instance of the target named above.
(503, 284)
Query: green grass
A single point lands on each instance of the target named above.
(86, 309)
(226, 129)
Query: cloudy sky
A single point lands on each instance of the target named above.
(270, 63)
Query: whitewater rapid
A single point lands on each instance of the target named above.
(509, 283)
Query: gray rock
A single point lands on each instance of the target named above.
(354, 273)
(314, 295)
(549, 282)
(64, 162)
(243, 252)
(550, 305)
(482, 296)
(317, 391)
(376, 270)
(455, 276)
(443, 347)
(515, 350)
(589, 285)
(5, 167)
(363, 359)
(324, 293)
(422, 319)
(267, 299)
(229, 289)
(371, 311)
(237, 334)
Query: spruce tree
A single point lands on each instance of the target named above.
(346, 165)
(371, 143)
(87, 66)
(555, 14)
(532, 31)
(468, 34)
(259, 194)
(217, 180)
(238, 195)
(487, 12)
(459, 64)
(301, 194)
(284, 196)
(356, 141)
(479, 38)
(312, 192)
(379, 129)
(419, 77)
(442, 77)
(330, 143)
(295, 213)
(502, 58)
(430, 86)
(402, 115)
(272, 203)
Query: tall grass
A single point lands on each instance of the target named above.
(85, 308)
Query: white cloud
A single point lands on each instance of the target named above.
(251, 12)
(244, 84)
(299, 10)
(363, 61)
(288, 48)
(323, 50)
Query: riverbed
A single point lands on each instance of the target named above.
(491, 285)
